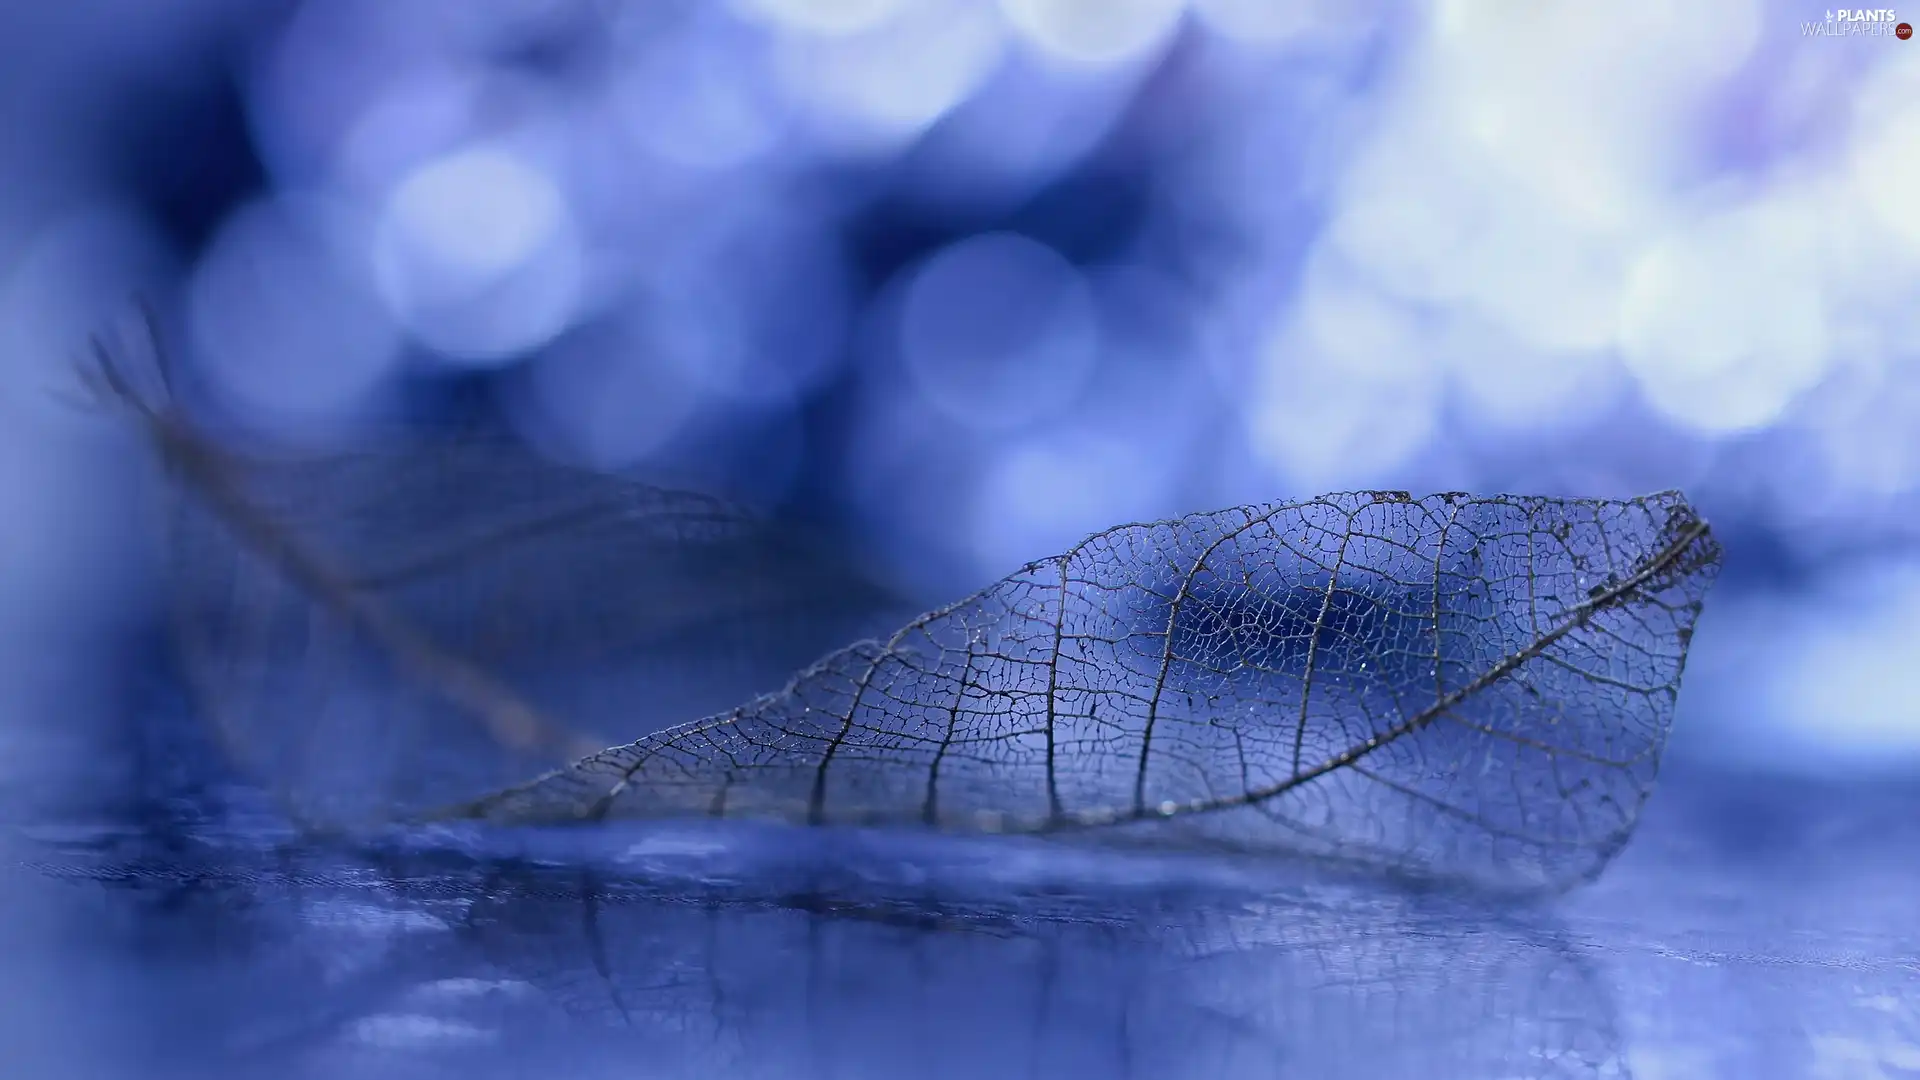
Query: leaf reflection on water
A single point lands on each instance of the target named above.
(726, 952)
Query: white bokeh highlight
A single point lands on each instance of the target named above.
(874, 90)
(1344, 392)
(286, 321)
(1051, 492)
(824, 17)
(1724, 323)
(1887, 167)
(1516, 193)
(1820, 679)
(1095, 32)
(1266, 23)
(477, 255)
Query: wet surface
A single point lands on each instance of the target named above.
(1756, 927)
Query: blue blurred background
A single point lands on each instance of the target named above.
(964, 280)
(969, 280)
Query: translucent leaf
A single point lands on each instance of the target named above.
(420, 624)
(1474, 688)
(418, 621)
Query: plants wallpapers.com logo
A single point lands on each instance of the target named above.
(1859, 22)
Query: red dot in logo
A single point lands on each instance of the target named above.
(1903, 31)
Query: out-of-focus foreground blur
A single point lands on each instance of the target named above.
(962, 280)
